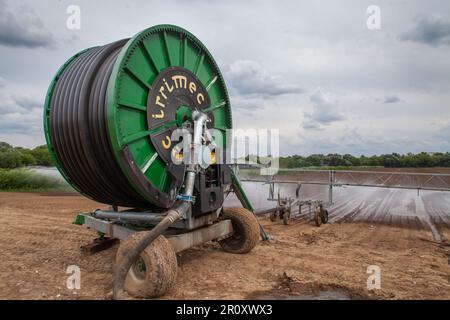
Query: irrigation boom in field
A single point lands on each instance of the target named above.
(339, 178)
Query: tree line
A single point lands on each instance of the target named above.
(393, 160)
(15, 157)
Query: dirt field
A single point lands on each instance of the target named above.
(38, 242)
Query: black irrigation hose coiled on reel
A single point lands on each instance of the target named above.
(79, 128)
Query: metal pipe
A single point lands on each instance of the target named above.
(128, 216)
(199, 122)
(171, 217)
(366, 171)
(330, 188)
(344, 184)
(268, 210)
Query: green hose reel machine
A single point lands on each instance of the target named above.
(110, 115)
(110, 112)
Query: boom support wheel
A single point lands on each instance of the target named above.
(286, 216)
(324, 215)
(245, 230)
(154, 272)
(317, 217)
(273, 216)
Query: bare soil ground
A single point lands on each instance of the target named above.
(38, 242)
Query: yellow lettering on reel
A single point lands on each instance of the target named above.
(166, 143)
(158, 102)
(200, 98)
(161, 91)
(169, 88)
(158, 116)
(180, 81)
(192, 87)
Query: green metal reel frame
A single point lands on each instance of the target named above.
(139, 62)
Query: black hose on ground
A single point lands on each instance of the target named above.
(132, 255)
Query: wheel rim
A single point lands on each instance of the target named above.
(139, 269)
(238, 231)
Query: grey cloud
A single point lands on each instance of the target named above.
(20, 115)
(2, 82)
(246, 105)
(340, 141)
(311, 125)
(443, 133)
(23, 123)
(430, 30)
(23, 29)
(18, 105)
(352, 140)
(324, 111)
(8, 105)
(249, 78)
(27, 102)
(391, 99)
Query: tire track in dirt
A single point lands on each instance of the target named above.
(428, 216)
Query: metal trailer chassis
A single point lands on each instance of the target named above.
(184, 234)
(181, 231)
(285, 206)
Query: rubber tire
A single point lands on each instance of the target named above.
(286, 217)
(273, 216)
(245, 231)
(317, 217)
(160, 263)
(324, 216)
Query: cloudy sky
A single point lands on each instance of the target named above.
(312, 69)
